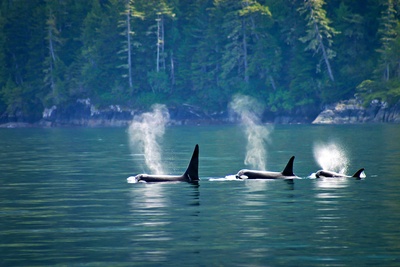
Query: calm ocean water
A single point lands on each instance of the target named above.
(64, 200)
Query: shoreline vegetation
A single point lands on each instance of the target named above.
(297, 58)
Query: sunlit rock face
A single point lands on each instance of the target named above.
(352, 111)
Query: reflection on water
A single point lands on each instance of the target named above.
(150, 201)
(158, 217)
(256, 185)
(332, 221)
(336, 182)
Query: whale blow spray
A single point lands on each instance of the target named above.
(144, 133)
(249, 111)
(331, 157)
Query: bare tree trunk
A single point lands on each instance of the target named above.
(158, 44)
(52, 60)
(172, 70)
(398, 69)
(128, 35)
(272, 82)
(162, 42)
(245, 63)
(253, 24)
(51, 47)
(324, 54)
(18, 77)
(387, 72)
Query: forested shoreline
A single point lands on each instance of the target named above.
(289, 54)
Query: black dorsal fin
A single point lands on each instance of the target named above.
(192, 171)
(288, 171)
(357, 174)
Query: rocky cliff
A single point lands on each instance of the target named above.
(352, 111)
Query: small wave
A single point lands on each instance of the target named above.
(312, 175)
(132, 180)
(226, 178)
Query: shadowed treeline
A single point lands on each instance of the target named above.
(290, 55)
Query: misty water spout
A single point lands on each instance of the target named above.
(331, 157)
(145, 133)
(249, 111)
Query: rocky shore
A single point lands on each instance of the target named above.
(352, 111)
(84, 114)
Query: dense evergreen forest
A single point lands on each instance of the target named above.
(289, 54)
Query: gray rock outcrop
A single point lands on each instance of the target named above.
(352, 111)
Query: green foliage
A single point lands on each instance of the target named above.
(13, 97)
(354, 43)
(385, 83)
(20, 101)
(280, 100)
(158, 81)
(388, 92)
(319, 33)
(286, 53)
(147, 99)
(3, 41)
(387, 34)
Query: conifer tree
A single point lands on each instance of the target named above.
(52, 61)
(234, 61)
(354, 49)
(387, 35)
(20, 93)
(3, 41)
(245, 26)
(101, 43)
(128, 44)
(90, 55)
(158, 16)
(263, 50)
(319, 33)
(205, 50)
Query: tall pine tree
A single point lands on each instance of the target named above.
(319, 32)
(387, 33)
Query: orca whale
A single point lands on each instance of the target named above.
(326, 174)
(287, 173)
(191, 174)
